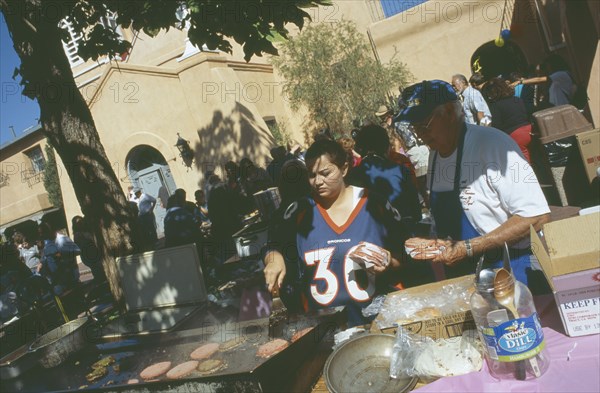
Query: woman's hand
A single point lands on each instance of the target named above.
(274, 270)
(371, 256)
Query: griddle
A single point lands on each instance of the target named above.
(245, 372)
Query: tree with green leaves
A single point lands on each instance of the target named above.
(66, 119)
(330, 72)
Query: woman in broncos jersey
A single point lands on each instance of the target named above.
(335, 242)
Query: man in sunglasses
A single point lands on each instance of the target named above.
(483, 192)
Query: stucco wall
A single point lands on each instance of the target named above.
(209, 100)
(355, 10)
(156, 50)
(437, 38)
(152, 116)
(227, 123)
(20, 197)
(290, 121)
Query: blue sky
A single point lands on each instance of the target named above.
(15, 110)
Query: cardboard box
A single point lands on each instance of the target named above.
(439, 326)
(560, 122)
(569, 253)
(589, 147)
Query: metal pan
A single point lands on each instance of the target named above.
(17, 362)
(55, 346)
(362, 364)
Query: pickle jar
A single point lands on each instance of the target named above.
(514, 345)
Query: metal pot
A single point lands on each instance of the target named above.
(54, 347)
(267, 201)
(362, 364)
(250, 240)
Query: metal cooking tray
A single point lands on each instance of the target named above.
(245, 371)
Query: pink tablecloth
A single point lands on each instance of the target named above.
(574, 364)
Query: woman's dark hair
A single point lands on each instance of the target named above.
(46, 232)
(133, 208)
(232, 167)
(78, 224)
(9, 257)
(293, 182)
(174, 201)
(555, 63)
(372, 139)
(515, 76)
(245, 163)
(477, 79)
(333, 150)
(497, 89)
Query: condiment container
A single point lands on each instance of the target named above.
(514, 345)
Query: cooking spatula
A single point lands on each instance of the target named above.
(278, 316)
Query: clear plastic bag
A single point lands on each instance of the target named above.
(405, 307)
(428, 359)
(375, 307)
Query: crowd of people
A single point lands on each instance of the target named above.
(346, 238)
(350, 206)
(49, 254)
(218, 211)
(506, 102)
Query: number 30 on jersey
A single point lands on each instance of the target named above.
(322, 258)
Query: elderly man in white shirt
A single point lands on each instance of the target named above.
(474, 105)
(483, 193)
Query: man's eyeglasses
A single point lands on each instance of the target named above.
(421, 129)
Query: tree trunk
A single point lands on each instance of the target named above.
(68, 124)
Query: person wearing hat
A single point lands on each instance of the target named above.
(483, 191)
(384, 113)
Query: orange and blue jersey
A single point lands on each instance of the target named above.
(319, 248)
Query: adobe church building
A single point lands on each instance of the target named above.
(165, 89)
